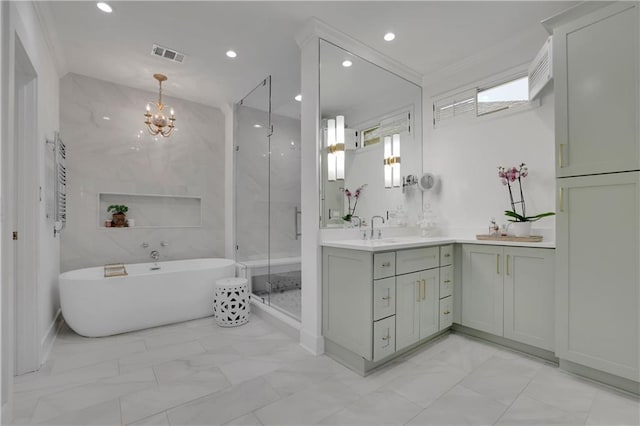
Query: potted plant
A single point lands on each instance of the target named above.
(119, 215)
(356, 195)
(521, 222)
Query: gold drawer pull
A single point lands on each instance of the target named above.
(560, 152)
(386, 264)
(446, 313)
(447, 281)
(386, 298)
(560, 201)
(447, 255)
(498, 264)
(508, 256)
(424, 291)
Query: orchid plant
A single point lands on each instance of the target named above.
(509, 176)
(356, 196)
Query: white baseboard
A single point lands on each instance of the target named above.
(46, 344)
(311, 342)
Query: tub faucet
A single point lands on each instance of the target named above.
(155, 255)
(372, 221)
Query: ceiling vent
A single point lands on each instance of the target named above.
(166, 53)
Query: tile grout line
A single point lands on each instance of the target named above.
(515, 399)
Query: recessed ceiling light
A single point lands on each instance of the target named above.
(104, 7)
(347, 63)
(298, 97)
(257, 126)
(231, 54)
(106, 118)
(389, 36)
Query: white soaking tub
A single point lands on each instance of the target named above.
(180, 290)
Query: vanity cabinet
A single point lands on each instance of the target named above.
(595, 66)
(375, 304)
(509, 292)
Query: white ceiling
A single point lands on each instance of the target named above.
(116, 47)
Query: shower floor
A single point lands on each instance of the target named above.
(285, 293)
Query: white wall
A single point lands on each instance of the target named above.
(465, 154)
(108, 156)
(23, 22)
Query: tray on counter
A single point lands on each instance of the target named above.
(529, 239)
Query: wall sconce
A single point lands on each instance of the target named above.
(335, 148)
(392, 175)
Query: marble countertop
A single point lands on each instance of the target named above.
(404, 242)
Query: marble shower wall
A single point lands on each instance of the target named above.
(118, 156)
(268, 187)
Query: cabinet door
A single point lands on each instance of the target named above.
(529, 296)
(407, 309)
(446, 281)
(429, 302)
(384, 343)
(384, 298)
(347, 293)
(596, 92)
(482, 288)
(446, 312)
(598, 272)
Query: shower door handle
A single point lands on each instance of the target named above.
(295, 222)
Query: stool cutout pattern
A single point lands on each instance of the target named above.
(231, 306)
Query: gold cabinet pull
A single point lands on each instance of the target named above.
(508, 256)
(447, 255)
(560, 199)
(386, 298)
(424, 289)
(498, 264)
(560, 152)
(386, 264)
(418, 290)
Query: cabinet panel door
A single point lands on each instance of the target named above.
(347, 292)
(384, 298)
(446, 281)
(446, 312)
(415, 260)
(596, 91)
(407, 309)
(429, 302)
(482, 293)
(529, 278)
(598, 272)
(384, 342)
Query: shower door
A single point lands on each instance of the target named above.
(267, 167)
(252, 146)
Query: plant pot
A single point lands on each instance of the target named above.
(521, 229)
(119, 220)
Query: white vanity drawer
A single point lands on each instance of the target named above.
(446, 281)
(446, 255)
(446, 312)
(384, 265)
(384, 298)
(384, 338)
(417, 260)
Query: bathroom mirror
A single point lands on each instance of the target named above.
(363, 108)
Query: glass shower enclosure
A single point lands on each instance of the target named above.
(267, 197)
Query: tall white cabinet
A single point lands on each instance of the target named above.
(597, 95)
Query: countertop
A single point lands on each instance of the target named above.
(404, 242)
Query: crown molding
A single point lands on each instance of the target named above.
(42, 10)
(317, 29)
(572, 13)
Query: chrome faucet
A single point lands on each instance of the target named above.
(359, 220)
(155, 255)
(379, 232)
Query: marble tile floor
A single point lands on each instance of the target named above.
(196, 373)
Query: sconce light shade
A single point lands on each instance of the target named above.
(392, 175)
(335, 148)
(397, 179)
(387, 166)
(331, 155)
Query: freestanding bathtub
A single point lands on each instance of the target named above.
(180, 290)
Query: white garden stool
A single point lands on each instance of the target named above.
(231, 304)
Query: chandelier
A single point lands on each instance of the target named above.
(157, 123)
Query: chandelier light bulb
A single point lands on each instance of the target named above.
(157, 123)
